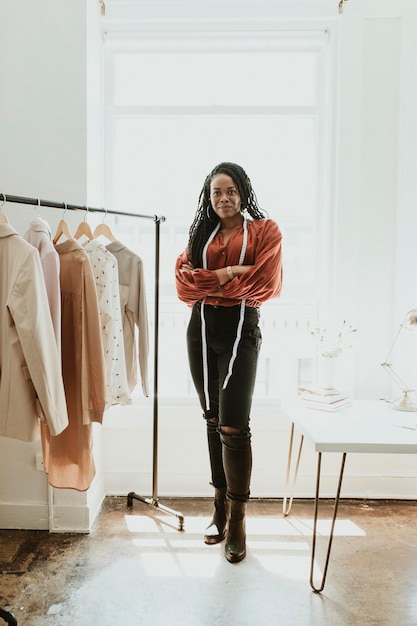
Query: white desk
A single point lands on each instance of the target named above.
(366, 426)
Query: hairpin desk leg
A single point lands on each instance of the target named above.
(316, 506)
(286, 508)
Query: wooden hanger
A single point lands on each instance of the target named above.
(104, 230)
(62, 228)
(84, 229)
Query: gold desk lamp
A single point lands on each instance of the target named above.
(406, 402)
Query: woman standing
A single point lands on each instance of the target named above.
(231, 266)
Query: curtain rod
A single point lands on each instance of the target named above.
(75, 207)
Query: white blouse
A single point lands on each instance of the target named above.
(105, 272)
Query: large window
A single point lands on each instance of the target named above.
(176, 107)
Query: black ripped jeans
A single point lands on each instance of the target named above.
(230, 406)
(230, 455)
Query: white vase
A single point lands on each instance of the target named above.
(326, 372)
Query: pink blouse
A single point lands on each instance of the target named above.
(262, 282)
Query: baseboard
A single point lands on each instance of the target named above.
(24, 516)
(72, 512)
(65, 519)
(71, 519)
(78, 515)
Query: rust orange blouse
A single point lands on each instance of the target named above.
(262, 282)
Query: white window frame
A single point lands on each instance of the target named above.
(294, 328)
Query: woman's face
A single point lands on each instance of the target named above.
(224, 196)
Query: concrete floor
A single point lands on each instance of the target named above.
(136, 569)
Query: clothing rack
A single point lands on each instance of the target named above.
(153, 500)
(8, 617)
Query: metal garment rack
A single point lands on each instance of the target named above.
(153, 500)
(8, 617)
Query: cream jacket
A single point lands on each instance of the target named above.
(134, 311)
(31, 386)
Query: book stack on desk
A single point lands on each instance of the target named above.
(316, 397)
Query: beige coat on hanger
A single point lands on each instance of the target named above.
(31, 384)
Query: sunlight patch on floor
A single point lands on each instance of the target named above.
(288, 546)
(147, 524)
(203, 564)
(271, 526)
(288, 527)
(161, 542)
(343, 527)
(290, 567)
(149, 542)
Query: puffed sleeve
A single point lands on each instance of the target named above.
(264, 280)
(195, 285)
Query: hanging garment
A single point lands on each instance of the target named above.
(40, 236)
(134, 311)
(106, 278)
(70, 463)
(31, 384)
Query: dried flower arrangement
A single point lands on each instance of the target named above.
(333, 348)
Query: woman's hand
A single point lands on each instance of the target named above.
(238, 270)
(187, 267)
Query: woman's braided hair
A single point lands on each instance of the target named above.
(205, 219)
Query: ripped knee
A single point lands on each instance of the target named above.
(212, 423)
(230, 430)
(243, 434)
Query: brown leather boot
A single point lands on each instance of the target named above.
(216, 531)
(235, 547)
(237, 460)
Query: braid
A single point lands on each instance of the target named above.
(205, 219)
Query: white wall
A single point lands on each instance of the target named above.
(46, 152)
(47, 143)
(375, 275)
